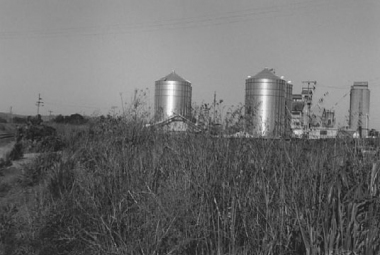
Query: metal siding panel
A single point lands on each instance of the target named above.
(267, 97)
(173, 97)
(359, 108)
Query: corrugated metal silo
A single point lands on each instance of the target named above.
(172, 96)
(359, 107)
(288, 107)
(265, 97)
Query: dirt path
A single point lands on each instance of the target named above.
(10, 175)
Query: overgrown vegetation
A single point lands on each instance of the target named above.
(119, 188)
(38, 137)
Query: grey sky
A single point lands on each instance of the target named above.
(80, 55)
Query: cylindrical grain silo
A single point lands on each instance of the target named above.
(172, 96)
(265, 97)
(359, 107)
(288, 107)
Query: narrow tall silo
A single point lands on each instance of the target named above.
(265, 97)
(172, 96)
(288, 107)
(359, 107)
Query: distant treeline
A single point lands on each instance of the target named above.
(75, 119)
(2, 120)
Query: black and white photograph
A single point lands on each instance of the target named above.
(190, 127)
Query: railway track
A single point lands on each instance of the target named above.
(5, 136)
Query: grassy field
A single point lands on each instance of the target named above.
(117, 188)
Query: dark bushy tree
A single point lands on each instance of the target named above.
(75, 119)
(19, 120)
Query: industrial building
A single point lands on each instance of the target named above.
(301, 112)
(322, 133)
(328, 118)
(308, 122)
(359, 108)
(298, 105)
(307, 97)
(176, 123)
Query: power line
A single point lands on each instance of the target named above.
(73, 105)
(340, 100)
(331, 87)
(190, 22)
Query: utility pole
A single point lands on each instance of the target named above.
(39, 103)
(310, 91)
(135, 103)
(122, 103)
(10, 115)
(50, 114)
(214, 107)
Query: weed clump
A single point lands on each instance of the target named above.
(4, 163)
(17, 152)
(36, 172)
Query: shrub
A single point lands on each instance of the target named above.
(4, 163)
(4, 188)
(75, 119)
(16, 152)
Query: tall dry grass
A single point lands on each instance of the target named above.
(118, 188)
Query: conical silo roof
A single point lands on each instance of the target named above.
(173, 77)
(266, 74)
